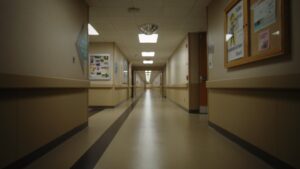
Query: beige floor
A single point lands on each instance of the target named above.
(159, 135)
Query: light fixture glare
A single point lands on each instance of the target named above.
(143, 38)
(147, 62)
(92, 31)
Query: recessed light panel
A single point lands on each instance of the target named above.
(148, 54)
(148, 62)
(92, 30)
(148, 38)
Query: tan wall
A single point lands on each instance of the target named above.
(266, 118)
(37, 50)
(33, 118)
(114, 91)
(102, 97)
(176, 72)
(139, 85)
(177, 65)
(179, 96)
(39, 37)
(122, 95)
(156, 85)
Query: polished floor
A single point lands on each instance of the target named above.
(160, 135)
(156, 135)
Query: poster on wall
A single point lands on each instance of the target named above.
(235, 32)
(264, 14)
(100, 67)
(125, 72)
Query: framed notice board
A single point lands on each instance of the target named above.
(99, 67)
(264, 31)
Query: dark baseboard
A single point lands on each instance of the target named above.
(90, 158)
(28, 159)
(268, 158)
(108, 107)
(183, 108)
(195, 111)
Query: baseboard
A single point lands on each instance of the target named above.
(183, 108)
(194, 111)
(26, 160)
(268, 158)
(203, 110)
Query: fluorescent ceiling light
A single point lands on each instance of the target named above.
(92, 30)
(148, 71)
(148, 38)
(148, 54)
(148, 62)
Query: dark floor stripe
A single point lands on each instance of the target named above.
(268, 158)
(94, 153)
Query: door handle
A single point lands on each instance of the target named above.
(202, 79)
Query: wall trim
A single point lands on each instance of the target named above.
(11, 81)
(31, 157)
(177, 86)
(100, 86)
(268, 158)
(121, 87)
(268, 82)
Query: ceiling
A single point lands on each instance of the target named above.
(175, 19)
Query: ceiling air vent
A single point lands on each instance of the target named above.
(148, 28)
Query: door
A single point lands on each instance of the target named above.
(203, 73)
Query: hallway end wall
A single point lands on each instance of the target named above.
(258, 102)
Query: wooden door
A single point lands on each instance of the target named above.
(203, 73)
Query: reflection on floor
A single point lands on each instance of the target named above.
(156, 135)
(159, 135)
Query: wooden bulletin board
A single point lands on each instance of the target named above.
(264, 31)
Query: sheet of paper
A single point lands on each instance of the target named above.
(235, 32)
(264, 14)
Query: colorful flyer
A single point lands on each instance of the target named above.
(264, 40)
(99, 67)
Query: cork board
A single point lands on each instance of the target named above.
(267, 40)
(264, 31)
